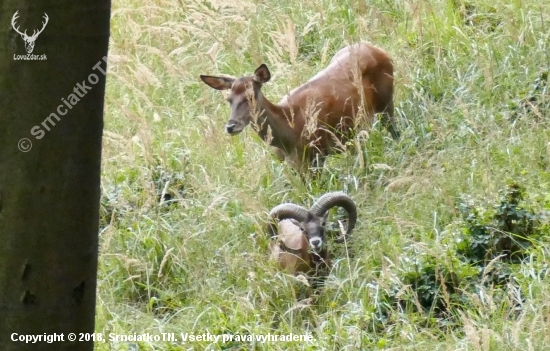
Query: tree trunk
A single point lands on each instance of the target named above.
(51, 122)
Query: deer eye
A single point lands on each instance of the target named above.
(230, 100)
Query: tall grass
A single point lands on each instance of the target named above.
(183, 245)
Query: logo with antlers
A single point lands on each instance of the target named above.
(29, 40)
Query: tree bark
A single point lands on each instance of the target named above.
(50, 160)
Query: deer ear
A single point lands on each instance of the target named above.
(325, 217)
(218, 83)
(262, 74)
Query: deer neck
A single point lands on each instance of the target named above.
(279, 120)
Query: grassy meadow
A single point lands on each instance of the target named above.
(183, 244)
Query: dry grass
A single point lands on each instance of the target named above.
(195, 261)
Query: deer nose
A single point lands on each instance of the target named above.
(316, 243)
(230, 128)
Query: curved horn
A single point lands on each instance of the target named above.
(285, 211)
(336, 198)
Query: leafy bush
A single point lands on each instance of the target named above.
(484, 245)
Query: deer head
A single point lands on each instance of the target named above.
(29, 40)
(244, 96)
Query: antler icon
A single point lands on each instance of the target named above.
(29, 40)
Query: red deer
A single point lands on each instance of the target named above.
(311, 121)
